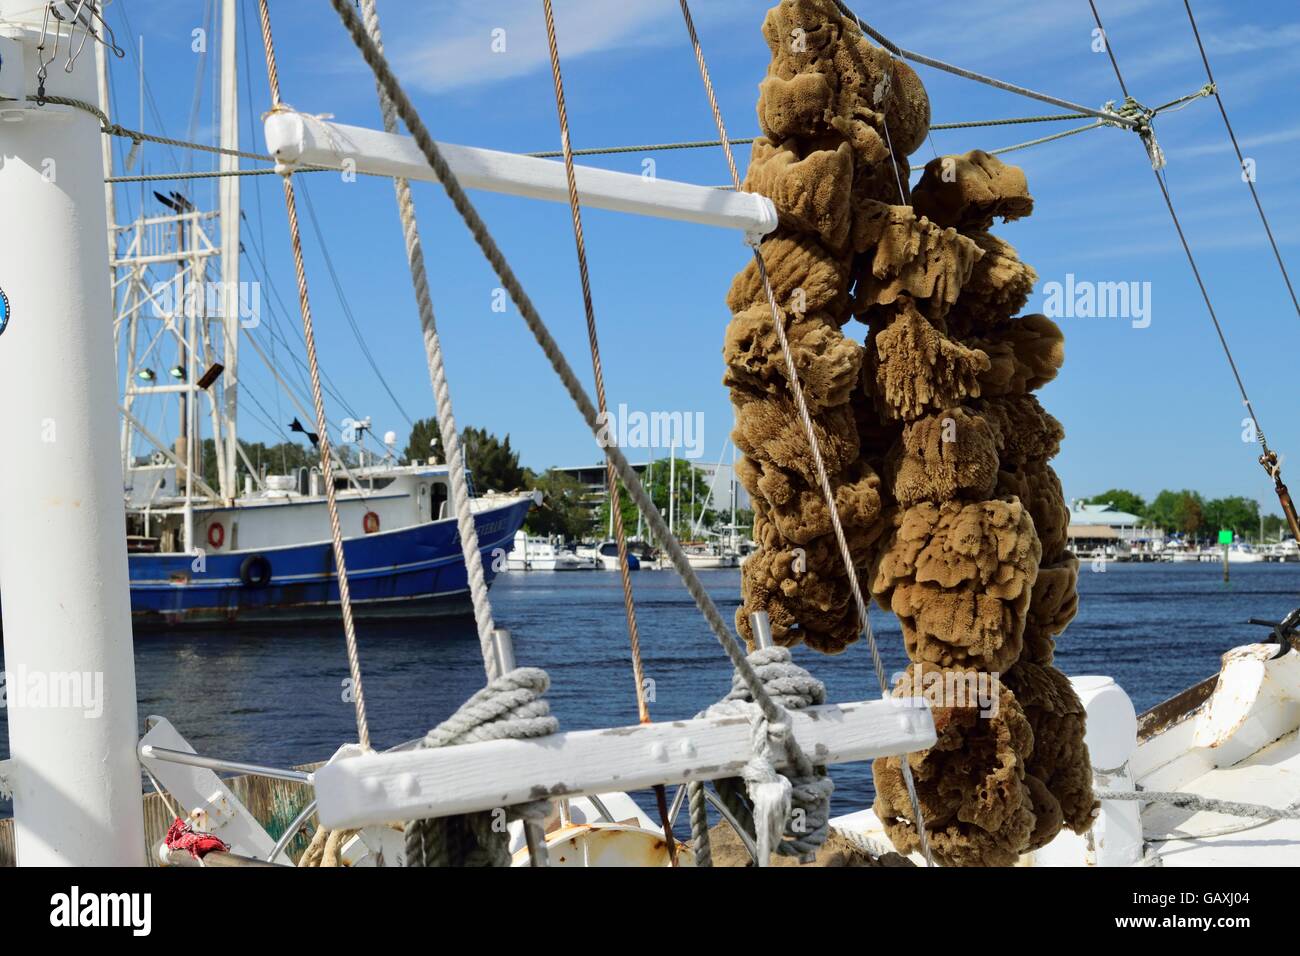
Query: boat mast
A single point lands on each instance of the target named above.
(76, 778)
(672, 487)
(229, 204)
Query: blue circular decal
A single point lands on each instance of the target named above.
(4, 311)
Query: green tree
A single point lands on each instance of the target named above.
(1174, 510)
(564, 509)
(656, 480)
(491, 461)
(1121, 500)
(1274, 525)
(1235, 512)
(425, 441)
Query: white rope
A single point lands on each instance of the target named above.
(459, 491)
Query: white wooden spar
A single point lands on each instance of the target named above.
(70, 692)
(300, 139)
(356, 790)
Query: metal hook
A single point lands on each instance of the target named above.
(72, 28)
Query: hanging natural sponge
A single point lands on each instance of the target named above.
(1025, 432)
(943, 456)
(907, 255)
(959, 577)
(771, 431)
(809, 191)
(1024, 355)
(969, 191)
(802, 588)
(798, 106)
(1052, 606)
(917, 369)
(828, 363)
(1039, 490)
(805, 279)
(1060, 756)
(801, 35)
(999, 286)
(971, 786)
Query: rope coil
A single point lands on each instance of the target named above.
(511, 707)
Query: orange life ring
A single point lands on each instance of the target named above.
(370, 522)
(216, 534)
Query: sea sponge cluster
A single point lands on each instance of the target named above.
(937, 449)
(824, 160)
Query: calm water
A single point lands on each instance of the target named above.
(275, 697)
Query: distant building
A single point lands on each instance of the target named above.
(1104, 523)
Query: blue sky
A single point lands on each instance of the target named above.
(1144, 408)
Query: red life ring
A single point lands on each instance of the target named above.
(216, 534)
(370, 522)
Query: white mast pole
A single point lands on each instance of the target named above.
(230, 240)
(66, 602)
(672, 487)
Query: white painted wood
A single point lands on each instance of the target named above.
(210, 805)
(373, 788)
(299, 139)
(67, 614)
(1256, 701)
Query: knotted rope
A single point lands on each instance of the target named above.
(509, 708)
(788, 812)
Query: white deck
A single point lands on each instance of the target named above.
(1270, 777)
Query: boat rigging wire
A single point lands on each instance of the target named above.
(611, 477)
(801, 405)
(1268, 458)
(318, 401)
(347, 309)
(550, 348)
(979, 77)
(1246, 174)
(458, 486)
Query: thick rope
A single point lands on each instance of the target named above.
(611, 477)
(792, 373)
(511, 707)
(1192, 801)
(551, 349)
(787, 813)
(460, 497)
(322, 423)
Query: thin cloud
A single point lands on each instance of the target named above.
(477, 44)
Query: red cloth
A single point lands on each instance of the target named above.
(182, 836)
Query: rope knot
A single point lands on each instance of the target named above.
(509, 708)
(788, 812)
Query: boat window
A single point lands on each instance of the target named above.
(439, 499)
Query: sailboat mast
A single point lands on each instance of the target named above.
(76, 778)
(231, 299)
(672, 488)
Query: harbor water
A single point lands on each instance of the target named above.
(280, 696)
